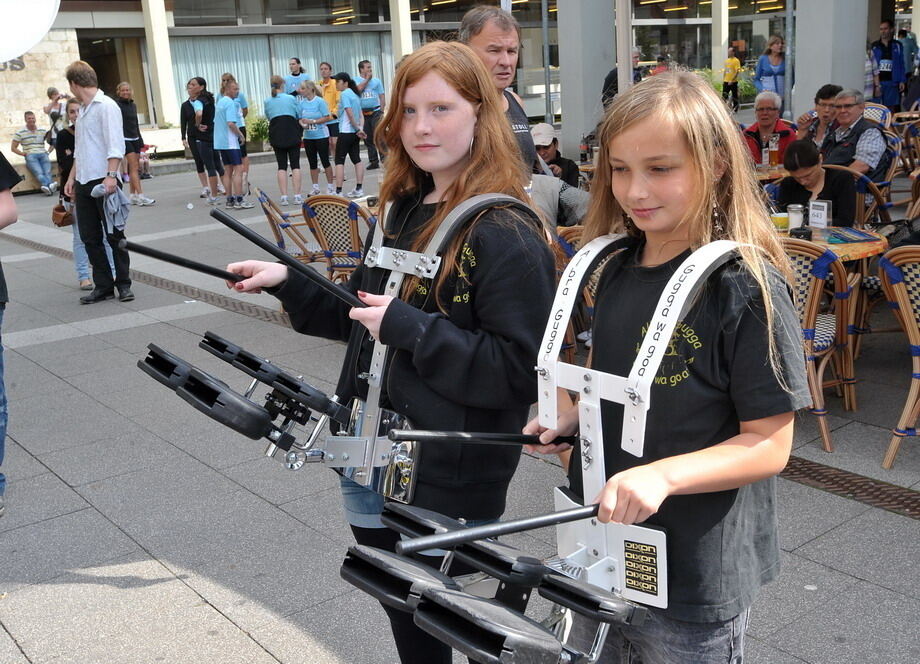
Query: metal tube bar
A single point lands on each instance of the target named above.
(453, 538)
(179, 260)
(343, 294)
(400, 435)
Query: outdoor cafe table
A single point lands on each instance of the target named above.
(850, 251)
(771, 174)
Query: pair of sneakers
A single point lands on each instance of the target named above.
(141, 200)
(238, 204)
(357, 192)
(48, 189)
(330, 189)
(298, 199)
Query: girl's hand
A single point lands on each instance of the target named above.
(566, 425)
(633, 495)
(260, 274)
(361, 134)
(371, 316)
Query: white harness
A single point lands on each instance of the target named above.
(631, 560)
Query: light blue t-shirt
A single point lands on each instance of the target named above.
(370, 98)
(226, 110)
(241, 101)
(197, 106)
(312, 109)
(292, 82)
(281, 105)
(348, 100)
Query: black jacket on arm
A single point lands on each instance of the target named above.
(468, 370)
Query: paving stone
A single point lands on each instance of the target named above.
(881, 403)
(805, 513)
(878, 546)
(806, 427)
(22, 377)
(860, 448)
(322, 363)
(135, 340)
(269, 340)
(138, 612)
(864, 624)
(65, 418)
(347, 629)
(19, 316)
(44, 550)
(109, 457)
(49, 355)
(758, 652)
(803, 588)
(9, 650)
(33, 500)
(19, 464)
(323, 512)
(215, 322)
(271, 480)
(531, 493)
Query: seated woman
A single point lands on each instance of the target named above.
(808, 181)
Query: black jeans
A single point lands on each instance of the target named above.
(370, 123)
(91, 223)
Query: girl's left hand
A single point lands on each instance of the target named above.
(371, 316)
(633, 495)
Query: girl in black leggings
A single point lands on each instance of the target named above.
(314, 114)
(201, 127)
(351, 131)
(283, 115)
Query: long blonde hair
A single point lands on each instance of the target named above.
(689, 103)
(495, 163)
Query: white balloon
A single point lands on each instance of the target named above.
(24, 24)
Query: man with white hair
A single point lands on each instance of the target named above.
(769, 132)
(857, 142)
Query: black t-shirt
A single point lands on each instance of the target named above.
(9, 178)
(722, 546)
(520, 125)
(839, 188)
(64, 147)
(569, 168)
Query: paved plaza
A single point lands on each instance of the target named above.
(139, 531)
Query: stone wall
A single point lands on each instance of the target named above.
(23, 83)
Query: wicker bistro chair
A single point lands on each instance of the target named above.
(827, 337)
(878, 113)
(899, 272)
(288, 224)
(333, 221)
(871, 204)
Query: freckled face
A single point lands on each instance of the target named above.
(437, 126)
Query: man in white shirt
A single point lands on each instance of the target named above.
(99, 150)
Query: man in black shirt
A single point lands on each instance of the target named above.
(9, 178)
(547, 145)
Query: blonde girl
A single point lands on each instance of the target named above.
(675, 179)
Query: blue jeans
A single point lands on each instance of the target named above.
(4, 416)
(663, 640)
(80, 257)
(364, 506)
(40, 165)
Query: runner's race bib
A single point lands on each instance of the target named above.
(884, 65)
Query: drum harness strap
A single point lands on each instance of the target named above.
(587, 546)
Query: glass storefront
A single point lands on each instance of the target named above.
(336, 12)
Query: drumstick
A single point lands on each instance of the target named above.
(453, 538)
(399, 435)
(179, 260)
(343, 294)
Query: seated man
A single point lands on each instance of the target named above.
(816, 124)
(857, 142)
(768, 129)
(29, 142)
(544, 139)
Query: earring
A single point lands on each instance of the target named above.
(718, 220)
(472, 139)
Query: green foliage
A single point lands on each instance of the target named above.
(257, 128)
